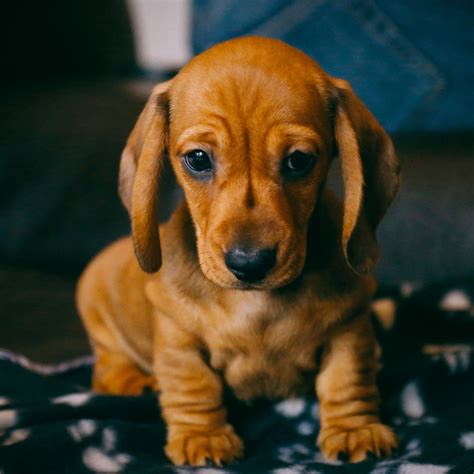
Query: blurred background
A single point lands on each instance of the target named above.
(76, 75)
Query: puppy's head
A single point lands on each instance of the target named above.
(250, 127)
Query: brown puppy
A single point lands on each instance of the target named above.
(262, 268)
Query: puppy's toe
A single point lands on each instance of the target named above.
(356, 444)
(218, 446)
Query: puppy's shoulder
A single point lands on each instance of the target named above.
(107, 270)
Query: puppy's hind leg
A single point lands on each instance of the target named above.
(115, 374)
(115, 370)
(111, 311)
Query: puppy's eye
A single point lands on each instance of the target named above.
(297, 164)
(198, 161)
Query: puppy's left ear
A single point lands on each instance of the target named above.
(140, 166)
(370, 173)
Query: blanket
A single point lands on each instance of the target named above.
(50, 422)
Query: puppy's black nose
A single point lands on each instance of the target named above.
(250, 265)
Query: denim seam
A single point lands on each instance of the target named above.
(384, 30)
(287, 18)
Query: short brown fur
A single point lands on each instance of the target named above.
(248, 103)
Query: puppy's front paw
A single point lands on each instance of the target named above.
(357, 443)
(195, 448)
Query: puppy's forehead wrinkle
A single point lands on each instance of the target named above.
(251, 93)
(298, 135)
(202, 134)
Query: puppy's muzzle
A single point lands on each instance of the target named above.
(250, 265)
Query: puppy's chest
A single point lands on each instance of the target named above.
(267, 354)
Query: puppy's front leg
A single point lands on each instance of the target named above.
(191, 401)
(348, 395)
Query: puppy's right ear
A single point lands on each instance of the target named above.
(140, 167)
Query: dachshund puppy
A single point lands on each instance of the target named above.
(263, 281)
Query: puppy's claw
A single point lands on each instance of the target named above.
(220, 446)
(356, 444)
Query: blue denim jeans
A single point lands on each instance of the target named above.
(409, 61)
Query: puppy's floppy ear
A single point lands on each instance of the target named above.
(140, 166)
(370, 173)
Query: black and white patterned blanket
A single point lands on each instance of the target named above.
(51, 423)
